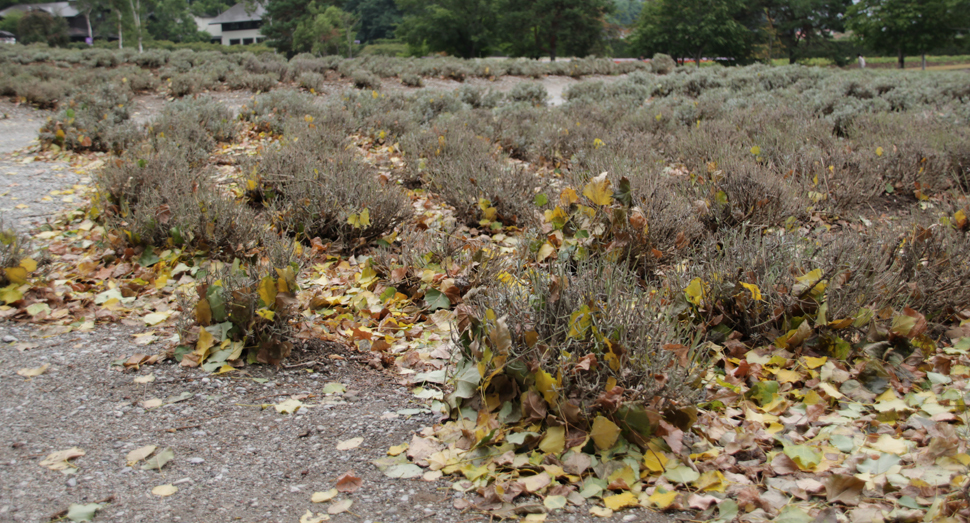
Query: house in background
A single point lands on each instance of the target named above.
(238, 27)
(7, 37)
(215, 31)
(77, 27)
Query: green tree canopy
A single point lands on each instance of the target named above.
(693, 28)
(803, 24)
(460, 27)
(172, 20)
(552, 27)
(40, 26)
(378, 18)
(907, 26)
(282, 19)
(329, 30)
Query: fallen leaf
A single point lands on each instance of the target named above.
(340, 506)
(321, 497)
(601, 512)
(159, 461)
(289, 406)
(682, 475)
(626, 499)
(152, 403)
(59, 460)
(33, 373)
(604, 433)
(535, 483)
(397, 449)
(140, 454)
(348, 482)
(165, 490)
(77, 512)
(349, 444)
(310, 518)
(404, 471)
(145, 379)
(662, 499)
(843, 489)
(554, 502)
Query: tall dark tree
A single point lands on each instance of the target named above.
(282, 19)
(461, 27)
(904, 27)
(378, 18)
(802, 24)
(40, 26)
(693, 28)
(553, 27)
(172, 20)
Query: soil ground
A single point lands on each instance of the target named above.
(234, 459)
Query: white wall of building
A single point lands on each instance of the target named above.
(229, 36)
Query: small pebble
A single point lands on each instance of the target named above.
(196, 461)
(9, 339)
(72, 482)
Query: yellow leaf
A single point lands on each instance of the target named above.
(547, 386)
(878, 151)
(568, 196)
(554, 441)
(10, 294)
(662, 500)
(165, 490)
(361, 220)
(33, 373)
(755, 291)
(309, 517)
(601, 512)
(146, 379)
(626, 499)
(16, 275)
(787, 376)
(397, 449)
(598, 190)
(139, 454)
(655, 461)
(545, 251)
(266, 314)
(268, 291)
(604, 433)
(321, 497)
(814, 363)
(204, 344)
(349, 444)
(756, 150)
(695, 291)
(711, 481)
(28, 264)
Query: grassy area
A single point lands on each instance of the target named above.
(668, 292)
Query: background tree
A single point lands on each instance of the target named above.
(282, 19)
(464, 28)
(329, 30)
(693, 28)
(40, 26)
(378, 18)
(804, 24)
(172, 20)
(625, 12)
(11, 21)
(207, 8)
(903, 27)
(547, 27)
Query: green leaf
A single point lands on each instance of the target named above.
(217, 303)
(541, 199)
(436, 300)
(82, 512)
(879, 466)
(159, 460)
(682, 475)
(148, 258)
(334, 388)
(804, 456)
(406, 471)
(793, 514)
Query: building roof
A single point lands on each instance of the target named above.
(62, 9)
(237, 13)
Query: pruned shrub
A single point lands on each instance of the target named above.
(270, 111)
(327, 193)
(662, 64)
(572, 345)
(99, 120)
(411, 80)
(156, 197)
(243, 313)
(363, 79)
(193, 125)
(533, 93)
(311, 81)
(13, 251)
